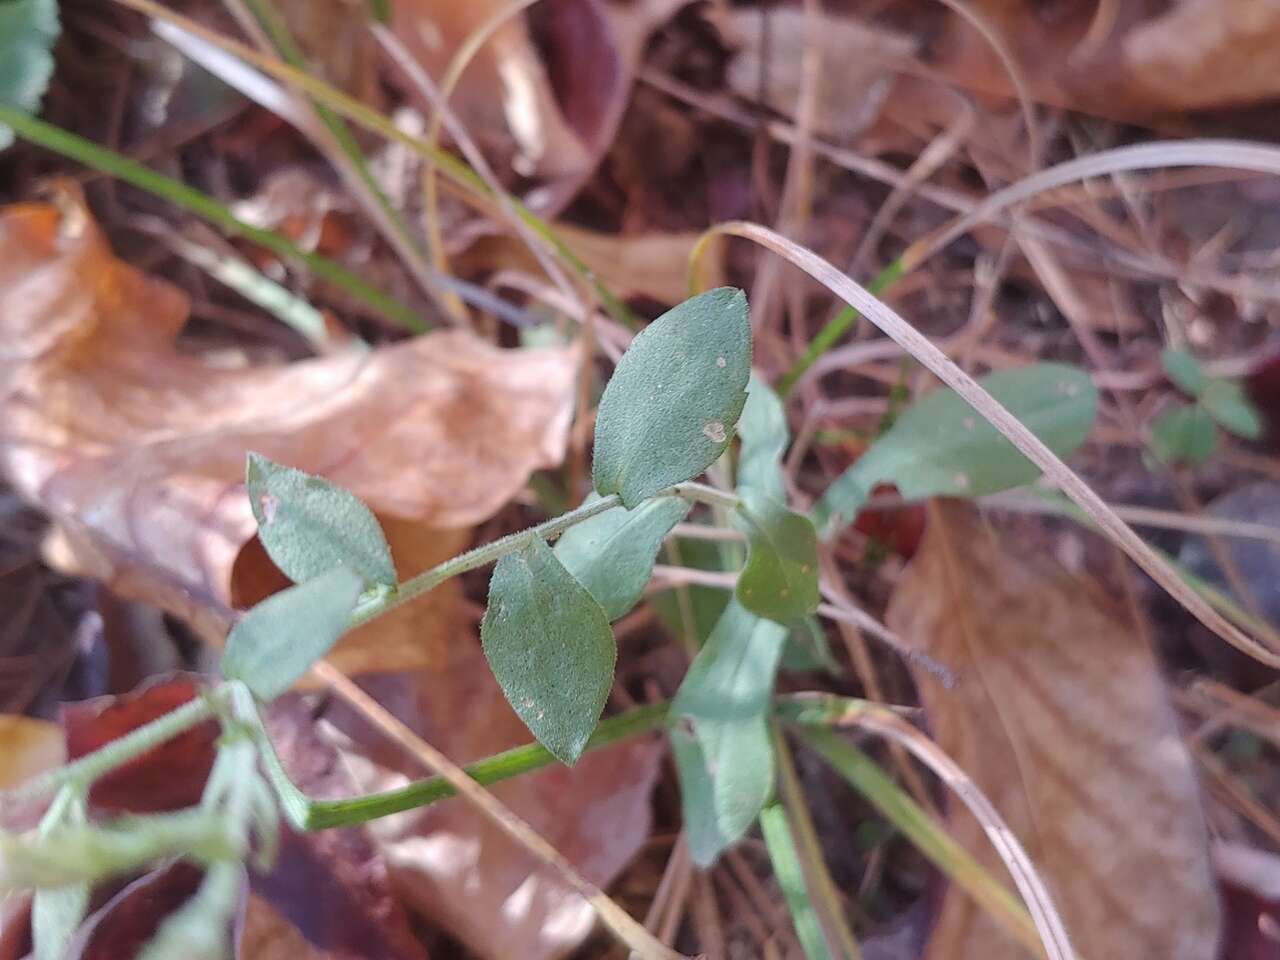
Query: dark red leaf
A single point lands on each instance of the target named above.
(169, 777)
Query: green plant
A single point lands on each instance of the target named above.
(668, 413)
(1188, 433)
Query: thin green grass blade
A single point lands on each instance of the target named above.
(188, 198)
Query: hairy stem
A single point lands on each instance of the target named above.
(308, 814)
(488, 553)
(83, 772)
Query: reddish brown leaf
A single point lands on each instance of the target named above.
(123, 926)
(169, 777)
(1061, 717)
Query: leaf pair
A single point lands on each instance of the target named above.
(665, 416)
(1189, 432)
(332, 546)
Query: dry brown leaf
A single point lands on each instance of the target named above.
(335, 36)
(506, 90)
(554, 108)
(654, 265)
(452, 863)
(1116, 59)
(136, 450)
(1208, 53)
(858, 62)
(265, 935)
(28, 747)
(1061, 717)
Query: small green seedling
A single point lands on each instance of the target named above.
(669, 412)
(1189, 433)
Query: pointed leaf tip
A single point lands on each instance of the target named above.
(670, 408)
(309, 526)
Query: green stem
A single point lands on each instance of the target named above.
(308, 814)
(487, 553)
(83, 772)
(130, 171)
(786, 867)
(701, 493)
(836, 328)
(479, 557)
(821, 888)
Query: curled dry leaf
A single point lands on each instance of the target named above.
(1061, 718)
(137, 450)
(858, 64)
(1121, 60)
(506, 92)
(169, 777)
(452, 863)
(655, 265)
(557, 102)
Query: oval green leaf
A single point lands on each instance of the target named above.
(780, 579)
(1184, 370)
(941, 446)
(549, 645)
(764, 434)
(670, 408)
(1226, 402)
(277, 641)
(28, 31)
(725, 699)
(309, 525)
(1184, 434)
(613, 553)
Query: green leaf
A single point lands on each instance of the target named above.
(549, 645)
(697, 798)
(309, 525)
(1226, 402)
(941, 446)
(670, 408)
(780, 580)
(613, 553)
(725, 697)
(764, 433)
(28, 31)
(277, 641)
(785, 859)
(1184, 370)
(807, 649)
(1184, 434)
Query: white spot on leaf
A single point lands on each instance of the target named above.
(270, 504)
(714, 431)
